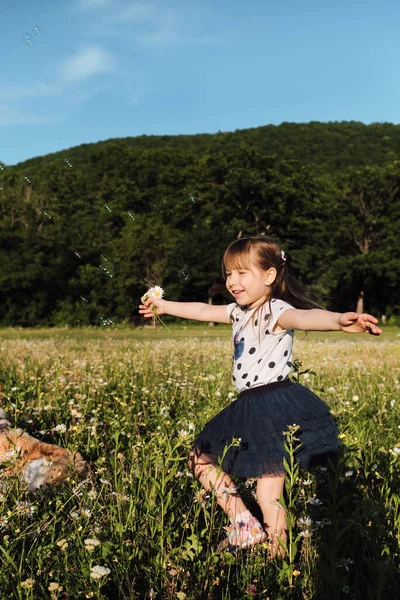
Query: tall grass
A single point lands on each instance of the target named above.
(133, 407)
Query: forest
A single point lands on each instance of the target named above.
(84, 232)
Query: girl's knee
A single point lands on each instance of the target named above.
(199, 462)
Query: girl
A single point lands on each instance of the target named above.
(246, 438)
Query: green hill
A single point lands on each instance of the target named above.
(326, 147)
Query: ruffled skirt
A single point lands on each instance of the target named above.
(246, 438)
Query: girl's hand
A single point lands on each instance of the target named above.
(352, 322)
(145, 309)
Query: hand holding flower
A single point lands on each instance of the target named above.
(153, 304)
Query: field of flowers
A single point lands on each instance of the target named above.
(138, 527)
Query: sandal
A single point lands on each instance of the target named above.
(242, 535)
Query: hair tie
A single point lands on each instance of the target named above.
(283, 257)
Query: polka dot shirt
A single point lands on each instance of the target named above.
(261, 355)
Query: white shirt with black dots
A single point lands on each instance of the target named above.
(261, 355)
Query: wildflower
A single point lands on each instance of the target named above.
(315, 501)
(304, 522)
(3, 521)
(355, 398)
(27, 584)
(277, 504)
(396, 450)
(345, 562)
(91, 543)
(305, 534)
(349, 473)
(251, 589)
(392, 403)
(55, 587)
(27, 508)
(97, 572)
(296, 573)
(62, 428)
(62, 544)
(153, 292)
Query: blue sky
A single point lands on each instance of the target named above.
(102, 69)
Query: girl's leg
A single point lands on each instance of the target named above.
(245, 530)
(269, 490)
(213, 478)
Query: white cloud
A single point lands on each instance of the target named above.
(16, 93)
(12, 116)
(92, 61)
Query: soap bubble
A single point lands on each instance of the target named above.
(133, 216)
(46, 214)
(77, 255)
(107, 207)
(68, 163)
(27, 39)
(62, 142)
(106, 321)
(193, 199)
(1, 186)
(184, 275)
(36, 30)
(27, 180)
(106, 267)
(84, 299)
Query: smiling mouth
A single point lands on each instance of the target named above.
(237, 292)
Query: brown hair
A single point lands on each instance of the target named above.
(263, 253)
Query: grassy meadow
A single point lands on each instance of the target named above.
(131, 401)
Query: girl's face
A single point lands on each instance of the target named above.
(248, 285)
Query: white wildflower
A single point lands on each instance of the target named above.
(154, 292)
(62, 428)
(91, 543)
(97, 572)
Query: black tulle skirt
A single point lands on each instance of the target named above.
(258, 418)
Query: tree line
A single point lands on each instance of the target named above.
(84, 234)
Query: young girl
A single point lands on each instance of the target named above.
(268, 306)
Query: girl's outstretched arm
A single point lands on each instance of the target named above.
(198, 311)
(324, 320)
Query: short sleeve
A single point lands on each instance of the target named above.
(278, 307)
(229, 310)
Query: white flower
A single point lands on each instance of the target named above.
(27, 584)
(355, 398)
(91, 543)
(154, 292)
(55, 587)
(97, 572)
(60, 428)
(396, 450)
(315, 501)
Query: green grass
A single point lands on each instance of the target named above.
(174, 331)
(132, 401)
